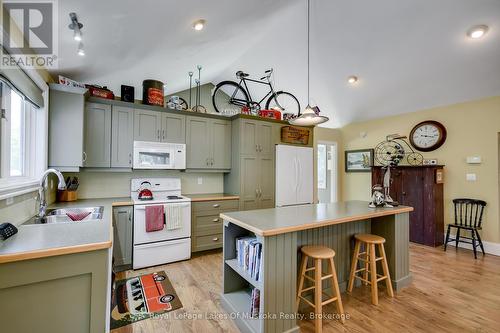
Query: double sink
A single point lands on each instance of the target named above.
(60, 215)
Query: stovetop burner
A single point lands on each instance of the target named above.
(173, 197)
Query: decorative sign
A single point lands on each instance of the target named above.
(439, 176)
(296, 135)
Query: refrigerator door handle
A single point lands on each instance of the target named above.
(299, 171)
(296, 169)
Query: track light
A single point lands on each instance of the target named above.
(75, 26)
(81, 51)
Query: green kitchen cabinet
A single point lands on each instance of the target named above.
(208, 143)
(257, 137)
(147, 125)
(122, 236)
(122, 137)
(97, 136)
(173, 128)
(249, 182)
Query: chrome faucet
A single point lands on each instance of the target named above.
(41, 190)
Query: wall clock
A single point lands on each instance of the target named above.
(429, 135)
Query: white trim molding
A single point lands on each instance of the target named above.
(489, 247)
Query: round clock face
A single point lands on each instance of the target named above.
(428, 135)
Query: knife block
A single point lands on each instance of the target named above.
(66, 195)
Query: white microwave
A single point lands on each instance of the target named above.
(159, 155)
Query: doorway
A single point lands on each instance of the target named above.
(327, 172)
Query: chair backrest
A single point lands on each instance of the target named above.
(469, 212)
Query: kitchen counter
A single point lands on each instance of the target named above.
(211, 197)
(45, 240)
(275, 221)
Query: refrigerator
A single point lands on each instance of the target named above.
(294, 175)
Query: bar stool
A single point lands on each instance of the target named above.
(318, 253)
(369, 257)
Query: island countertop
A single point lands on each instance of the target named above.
(275, 221)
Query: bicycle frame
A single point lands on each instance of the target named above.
(241, 102)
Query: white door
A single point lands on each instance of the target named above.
(305, 186)
(287, 173)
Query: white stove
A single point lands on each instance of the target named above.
(173, 241)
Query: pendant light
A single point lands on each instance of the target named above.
(308, 117)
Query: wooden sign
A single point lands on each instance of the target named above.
(296, 135)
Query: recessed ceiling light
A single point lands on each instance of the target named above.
(477, 31)
(352, 79)
(199, 25)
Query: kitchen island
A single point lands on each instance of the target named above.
(282, 231)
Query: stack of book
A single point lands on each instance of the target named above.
(255, 304)
(249, 255)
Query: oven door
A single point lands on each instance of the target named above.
(143, 237)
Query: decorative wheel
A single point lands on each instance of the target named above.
(389, 153)
(166, 298)
(415, 159)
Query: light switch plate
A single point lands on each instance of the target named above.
(471, 177)
(200, 180)
(473, 159)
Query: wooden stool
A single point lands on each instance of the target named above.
(319, 253)
(369, 257)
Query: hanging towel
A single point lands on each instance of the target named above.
(173, 216)
(154, 218)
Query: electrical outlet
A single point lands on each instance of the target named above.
(471, 177)
(9, 201)
(200, 180)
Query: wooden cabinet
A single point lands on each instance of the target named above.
(206, 225)
(122, 137)
(208, 143)
(97, 136)
(417, 187)
(156, 126)
(122, 236)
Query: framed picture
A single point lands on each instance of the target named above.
(360, 160)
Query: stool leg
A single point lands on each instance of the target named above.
(303, 266)
(367, 263)
(385, 267)
(340, 307)
(354, 265)
(373, 274)
(318, 325)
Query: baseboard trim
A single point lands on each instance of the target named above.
(489, 247)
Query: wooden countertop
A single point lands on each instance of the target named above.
(211, 197)
(275, 221)
(45, 240)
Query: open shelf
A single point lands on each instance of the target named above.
(233, 263)
(239, 303)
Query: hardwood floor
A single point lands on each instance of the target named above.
(450, 292)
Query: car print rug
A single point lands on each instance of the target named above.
(142, 297)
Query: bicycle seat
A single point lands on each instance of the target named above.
(241, 74)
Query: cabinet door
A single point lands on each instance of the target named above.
(147, 125)
(305, 186)
(97, 143)
(412, 194)
(197, 143)
(122, 231)
(265, 138)
(122, 137)
(266, 182)
(173, 128)
(249, 182)
(249, 135)
(221, 144)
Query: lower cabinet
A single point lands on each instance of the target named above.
(122, 237)
(206, 225)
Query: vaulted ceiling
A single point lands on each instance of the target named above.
(408, 54)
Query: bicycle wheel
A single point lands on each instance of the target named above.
(183, 103)
(229, 97)
(284, 102)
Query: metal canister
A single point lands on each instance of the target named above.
(152, 92)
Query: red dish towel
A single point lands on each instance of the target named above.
(154, 218)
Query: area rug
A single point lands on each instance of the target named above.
(142, 297)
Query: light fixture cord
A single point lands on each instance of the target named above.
(308, 47)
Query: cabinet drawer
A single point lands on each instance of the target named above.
(207, 242)
(206, 221)
(215, 206)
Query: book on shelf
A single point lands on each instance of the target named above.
(255, 303)
(249, 256)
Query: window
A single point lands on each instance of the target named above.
(17, 137)
(322, 166)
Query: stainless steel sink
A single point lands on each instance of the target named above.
(61, 215)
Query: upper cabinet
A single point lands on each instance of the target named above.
(173, 128)
(159, 127)
(122, 137)
(257, 137)
(208, 143)
(97, 143)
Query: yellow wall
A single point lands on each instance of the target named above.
(473, 130)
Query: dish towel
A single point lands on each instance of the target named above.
(154, 218)
(173, 216)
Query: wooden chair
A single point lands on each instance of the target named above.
(369, 269)
(468, 216)
(319, 253)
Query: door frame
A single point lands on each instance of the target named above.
(335, 173)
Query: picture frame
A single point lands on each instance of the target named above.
(359, 160)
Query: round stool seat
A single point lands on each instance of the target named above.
(370, 239)
(318, 252)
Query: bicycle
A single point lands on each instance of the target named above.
(230, 96)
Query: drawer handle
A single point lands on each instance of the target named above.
(216, 205)
(215, 239)
(215, 220)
